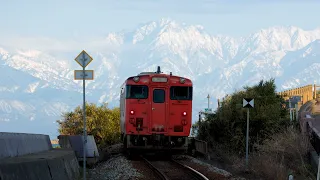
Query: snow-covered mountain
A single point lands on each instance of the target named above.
(36, 86)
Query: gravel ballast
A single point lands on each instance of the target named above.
(116, 168)
(119, 167)
(206, 169)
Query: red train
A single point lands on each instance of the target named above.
(156, 111)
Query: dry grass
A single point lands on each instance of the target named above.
(283, 153)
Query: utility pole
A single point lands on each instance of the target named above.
(314, 90)
(293, 114)
(208, 100)
(290, 110)
(199, 124)
(296, 110)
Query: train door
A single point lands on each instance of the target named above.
(158, 110)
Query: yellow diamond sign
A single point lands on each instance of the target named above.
(83, 59)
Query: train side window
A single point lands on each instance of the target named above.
(136, 92)
(158, 96)
(180, 93)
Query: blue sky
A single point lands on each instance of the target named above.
(76, 20)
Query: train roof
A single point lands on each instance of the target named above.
(161, 74)
(152, 74)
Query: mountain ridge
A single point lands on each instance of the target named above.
(217, 64)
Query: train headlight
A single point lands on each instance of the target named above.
(136, 79)
(184, 113)
(182, 80)
(132, 112)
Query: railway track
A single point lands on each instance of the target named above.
(169, 169)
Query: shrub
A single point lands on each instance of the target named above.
(101, 122)
(228, 123)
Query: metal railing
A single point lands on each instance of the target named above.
(198, 146)
(201, 146)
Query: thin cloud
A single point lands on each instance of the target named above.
(53, 45)
(178, 6)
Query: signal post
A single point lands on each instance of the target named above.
(83, 59)
(247, 103)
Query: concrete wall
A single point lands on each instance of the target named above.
(75, 142)
(18, 144)
(306, 124)
(57, 164)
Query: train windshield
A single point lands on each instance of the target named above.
(180, 93)
(136, 92)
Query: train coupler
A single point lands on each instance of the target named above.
(145, 141)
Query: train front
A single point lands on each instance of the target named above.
(157, 111)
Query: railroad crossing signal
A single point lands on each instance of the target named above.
(248, 103)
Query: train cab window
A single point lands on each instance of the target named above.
(180, 93)
(136, 92)
(158, 96)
